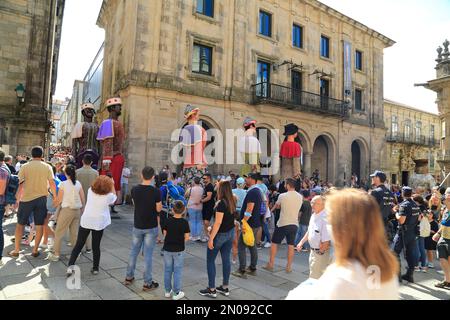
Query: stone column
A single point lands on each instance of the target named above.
(307, 164)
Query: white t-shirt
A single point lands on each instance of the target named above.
(318, 230)
(290, 202)
(351, 282)
(71, 196)
(125, 172)
(96, 214)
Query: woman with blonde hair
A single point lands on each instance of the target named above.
(364, 267)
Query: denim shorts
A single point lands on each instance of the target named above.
(37, 207)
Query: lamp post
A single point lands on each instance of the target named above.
(20, 94)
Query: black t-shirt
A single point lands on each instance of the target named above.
(306, 211)
(228, 217)
(209, 206)
(145, 199)
(253, 196)
(411, 211)
(176, 229)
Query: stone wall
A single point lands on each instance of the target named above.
(28, 56)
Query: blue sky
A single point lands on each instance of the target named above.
(418, 27)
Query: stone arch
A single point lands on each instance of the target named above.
(323, 157)
(360, 144)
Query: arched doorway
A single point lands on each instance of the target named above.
(320, 159)
(356, 160)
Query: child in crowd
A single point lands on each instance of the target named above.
(176, 233)
(430, 245)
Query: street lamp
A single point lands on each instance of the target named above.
(20, 92)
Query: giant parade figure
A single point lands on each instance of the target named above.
(112, 136)
(250, 148)
(290, 153)
(193, 138)
(84, 137)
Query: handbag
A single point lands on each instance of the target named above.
(247, 234)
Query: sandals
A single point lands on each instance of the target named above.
(127, 281)
(148, 287)
(443, 285)
(13, 254)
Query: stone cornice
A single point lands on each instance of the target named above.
(387, 41)
(100, 19)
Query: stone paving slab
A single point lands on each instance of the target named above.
(39, 295)
(110, 289)
(58, 285)
(17, 285)
(15, 266)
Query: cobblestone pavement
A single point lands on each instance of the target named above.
(37, 278)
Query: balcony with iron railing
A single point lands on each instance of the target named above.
(293, 99)
(421, 140)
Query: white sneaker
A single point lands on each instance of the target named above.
(178, 296)
(267, 245)
(204, 240)
(53, 257)
(43, 246)
(168, 294)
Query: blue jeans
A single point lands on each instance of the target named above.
(147, 239)
(173, 265)
(302, 230)
(2, 240)
(266, 232)
(196, 222)
(223, 242)
(421, 254)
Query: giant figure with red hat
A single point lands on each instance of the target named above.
(112, 136)
(290, 153)
(84, 137)
(193, 138)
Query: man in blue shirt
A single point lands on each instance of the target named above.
(250, 212)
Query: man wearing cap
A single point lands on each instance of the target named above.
(405, 239)
(385, 199)
(249, 148)
(290, 153)
(250, 211)
(112, 136)
(193, 138)
(84, 137)
(239, 194)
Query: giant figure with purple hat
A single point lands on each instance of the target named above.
(249, 148)
(84, 137)
(112, 137)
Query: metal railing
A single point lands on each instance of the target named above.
(410, 139)
(297, 100)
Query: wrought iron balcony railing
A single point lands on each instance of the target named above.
(400, 137)
(298, 100)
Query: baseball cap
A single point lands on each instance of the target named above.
(379, 174)
(317, 190)
(240, 181)
(254, 176)
(407, 189)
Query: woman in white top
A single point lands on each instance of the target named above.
(96, 217)
(71, 199)
(195, 205)
(365, 268)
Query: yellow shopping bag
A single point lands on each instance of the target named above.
(247, 234)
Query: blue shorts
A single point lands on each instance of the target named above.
(37, 207)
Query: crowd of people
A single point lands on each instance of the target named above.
(346, 231)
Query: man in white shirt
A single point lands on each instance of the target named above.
(290, 204)
(319, 239)
(126, 174)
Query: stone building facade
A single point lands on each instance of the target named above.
(277, 61)
(413, 143)
(441, 85)
(30, 33)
